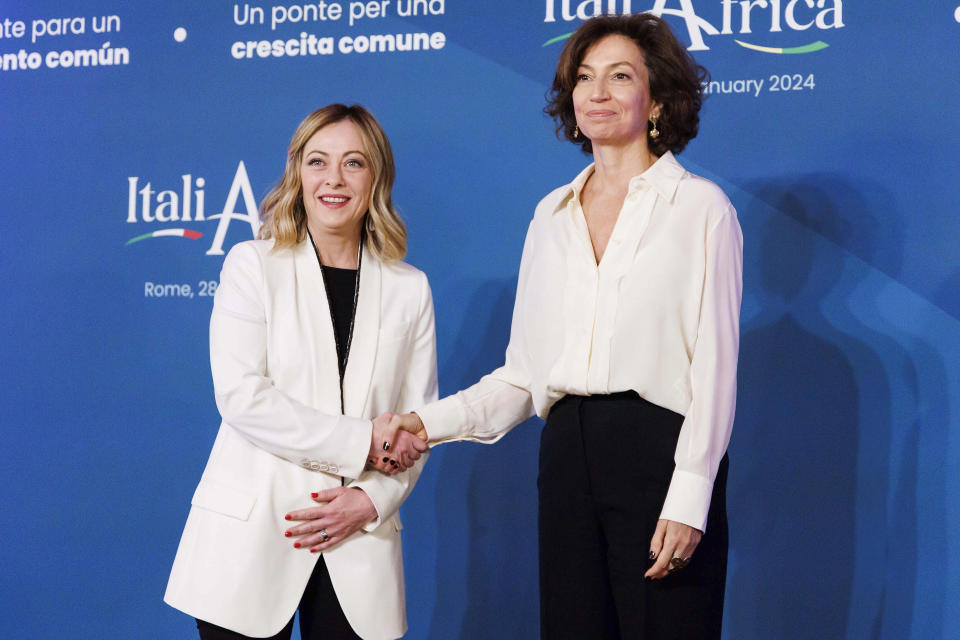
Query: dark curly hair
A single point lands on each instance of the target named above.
(676, 80)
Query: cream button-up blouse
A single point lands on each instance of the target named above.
(658, 315)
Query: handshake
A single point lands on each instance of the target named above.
(398, 441)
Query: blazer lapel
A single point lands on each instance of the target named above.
(315, 313)
(366, 332)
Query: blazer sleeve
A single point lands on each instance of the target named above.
(706, 428)
(486, 411)
(248, 399)
(418, 388)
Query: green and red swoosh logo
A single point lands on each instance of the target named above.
(807, 48)
(164, 233)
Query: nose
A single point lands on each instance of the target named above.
(600, 93)
(334, 176)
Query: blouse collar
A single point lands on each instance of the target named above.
(663, 176)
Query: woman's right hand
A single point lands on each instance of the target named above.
(412, 423)
(393, 449)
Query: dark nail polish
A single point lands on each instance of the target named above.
(386, 459)
(651, 555)
(314, 495)
(287, 517)
(287, 533)
(296, 545)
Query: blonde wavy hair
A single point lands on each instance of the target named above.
(282, 211)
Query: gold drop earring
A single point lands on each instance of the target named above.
(654, 132)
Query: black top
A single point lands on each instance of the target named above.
(341, 286)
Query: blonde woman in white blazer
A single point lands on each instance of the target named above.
(318, 333)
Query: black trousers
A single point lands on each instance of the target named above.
(321, 617)
(605, 466)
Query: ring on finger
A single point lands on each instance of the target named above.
(323, 534)
(386, 446)
(677, 563)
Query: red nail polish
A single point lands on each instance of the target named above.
(287, 517)
(314, 495)
(314, 550)
(296, 545)
(287, 533)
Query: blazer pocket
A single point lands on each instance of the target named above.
(222, 499)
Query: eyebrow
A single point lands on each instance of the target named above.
(346, 153)
(609, 66)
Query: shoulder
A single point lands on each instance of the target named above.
(697, 188)
(260, 261)
(249, 250)
(558, 197)
(549, 203)
(258, 256)
(403, 286)
(402, 270)
(705, 197)
(398, 273)
(247, 255)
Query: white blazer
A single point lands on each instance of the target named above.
(276, 380)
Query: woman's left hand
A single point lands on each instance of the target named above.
(671, 540)
(346, 511)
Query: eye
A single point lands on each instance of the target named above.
(582, 77)
(314, 162)
(355, 163)
(620, 75)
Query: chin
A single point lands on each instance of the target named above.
(614, 139)
(339, 225)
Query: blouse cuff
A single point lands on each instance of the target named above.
(444, 420)
(688, 500)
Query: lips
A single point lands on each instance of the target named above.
(601, 113)
(333, 200)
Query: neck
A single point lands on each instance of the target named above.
(336, 250)
(615, 164)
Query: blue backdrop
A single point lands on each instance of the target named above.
(828, 124)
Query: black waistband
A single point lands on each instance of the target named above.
(602, 397)
(630, 397)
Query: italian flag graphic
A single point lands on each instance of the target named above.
(177, 233)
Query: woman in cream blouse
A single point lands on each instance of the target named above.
(624, 339)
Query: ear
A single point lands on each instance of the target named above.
(655, 109)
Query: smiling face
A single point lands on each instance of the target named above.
(611, 98)
(337, 179)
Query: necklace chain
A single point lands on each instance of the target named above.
(343, 353)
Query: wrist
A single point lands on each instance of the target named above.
(421, 428)
(371, 509)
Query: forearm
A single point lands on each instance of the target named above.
(291, 430)
(484, 412)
